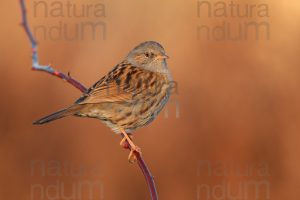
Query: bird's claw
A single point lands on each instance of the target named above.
(132, 155)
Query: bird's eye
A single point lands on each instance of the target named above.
(147, 55)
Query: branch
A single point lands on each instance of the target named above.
(35, 59)
(148, 176)
(48, 69)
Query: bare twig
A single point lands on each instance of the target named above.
(35, 59)
(48, 69)
(148, 176)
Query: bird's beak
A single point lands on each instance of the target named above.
(164, 56)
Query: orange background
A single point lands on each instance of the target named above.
(239, 103)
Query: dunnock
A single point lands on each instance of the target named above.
(130, 96)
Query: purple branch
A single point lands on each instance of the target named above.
(35, 59)
(148, 176)
(48, 69)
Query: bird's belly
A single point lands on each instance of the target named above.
(126, 115)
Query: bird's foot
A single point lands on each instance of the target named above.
(127, 143)
(124, 143)
(132, 157)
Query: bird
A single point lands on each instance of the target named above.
(128, 97)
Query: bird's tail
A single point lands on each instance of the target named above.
(57, 115)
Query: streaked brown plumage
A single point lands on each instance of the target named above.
(130, 96)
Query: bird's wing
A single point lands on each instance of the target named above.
(119, 85)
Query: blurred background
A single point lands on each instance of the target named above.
(231, 130)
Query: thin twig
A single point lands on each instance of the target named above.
(35, 59)
(48, 69)
(148, 176)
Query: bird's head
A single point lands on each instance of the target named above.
(149, 55)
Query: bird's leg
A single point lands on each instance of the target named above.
(124, 142)
(127, 138)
